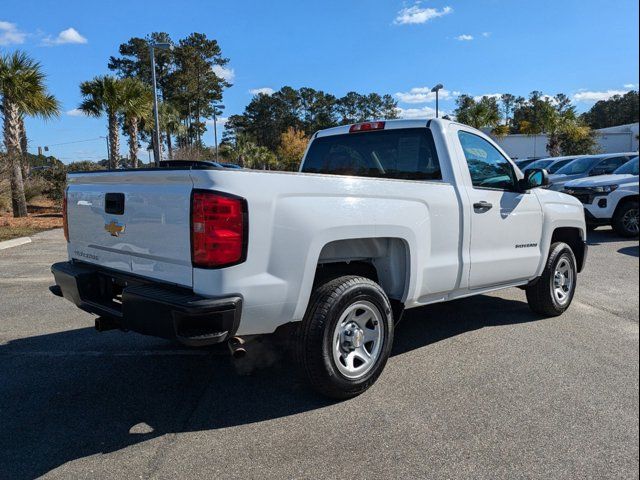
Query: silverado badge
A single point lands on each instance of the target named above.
(114, 228)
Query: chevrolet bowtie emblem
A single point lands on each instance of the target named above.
(114, 228)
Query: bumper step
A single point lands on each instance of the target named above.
(147, 307)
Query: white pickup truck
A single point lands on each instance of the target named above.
(381, 217)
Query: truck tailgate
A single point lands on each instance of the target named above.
(133, 221)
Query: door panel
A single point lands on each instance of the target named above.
(505, 239)
(506, 225)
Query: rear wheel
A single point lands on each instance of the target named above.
(346, 336)
(552, 294)
(625, 220)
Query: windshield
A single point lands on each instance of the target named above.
(559, 164)
(629, 168)
(407, 153)
(576, 167)
(540, 164)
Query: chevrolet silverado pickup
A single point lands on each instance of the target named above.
(382, 216)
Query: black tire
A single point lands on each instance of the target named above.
(541, 295)
(314, 346)
(622, 227)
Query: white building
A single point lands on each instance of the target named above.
(622, 138)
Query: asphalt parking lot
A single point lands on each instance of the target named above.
(477, 388)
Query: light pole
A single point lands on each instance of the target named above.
(216, 107)
(436, 89)
(157, 147)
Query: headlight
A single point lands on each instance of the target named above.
(605, 189)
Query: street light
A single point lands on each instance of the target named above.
(157, 148)
(216, 107)
(436, 89)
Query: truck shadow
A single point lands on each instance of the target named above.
(603, 235)
(63, 399)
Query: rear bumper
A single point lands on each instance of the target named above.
(147, 307)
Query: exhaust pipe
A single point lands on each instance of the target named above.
(237, 347)
(105, 323)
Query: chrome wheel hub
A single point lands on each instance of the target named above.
(357, 339)
(352, 337)
(563, 279)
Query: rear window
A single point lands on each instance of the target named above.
(577, 167)
(407, 154)
(559, 164)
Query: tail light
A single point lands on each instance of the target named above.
(219, 225)
(366, 127)
(65, 221)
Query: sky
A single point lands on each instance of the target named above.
(587, 49)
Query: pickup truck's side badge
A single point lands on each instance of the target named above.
(114, 228)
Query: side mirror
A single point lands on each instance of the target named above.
(534, 178)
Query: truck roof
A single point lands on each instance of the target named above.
(389, 125)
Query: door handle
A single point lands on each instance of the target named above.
(482, 206)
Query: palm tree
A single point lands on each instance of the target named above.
(136, 108)
(105, 94)
(23, 93)
(170, 124)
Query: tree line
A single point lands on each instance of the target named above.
(273, 130)
(190, 86)
(569, 133)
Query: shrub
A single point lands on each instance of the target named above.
(35, 186)
(56, 181)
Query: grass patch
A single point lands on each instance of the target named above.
(7, 233)
(43, 215)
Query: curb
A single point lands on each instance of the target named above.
(14, 242)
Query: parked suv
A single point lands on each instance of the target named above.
(610, 199)
(589, 167)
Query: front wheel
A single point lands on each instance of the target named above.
(625, 220)
(346, 336)
(552, 294)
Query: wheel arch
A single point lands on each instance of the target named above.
(384, 260)
(624, 200)
(573, 237)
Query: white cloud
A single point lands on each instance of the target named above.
(497, 96)
(75, 113)
(226, 73)
(486, 34)
(68, 36)
(219, 120)
(413, 113)
(421, 95)
(630, 85)
(416, 14)
(464, 38)
(262, 91)
(591, 96)
(10, 35)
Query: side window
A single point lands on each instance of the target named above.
(487, 166)
(608, 165)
